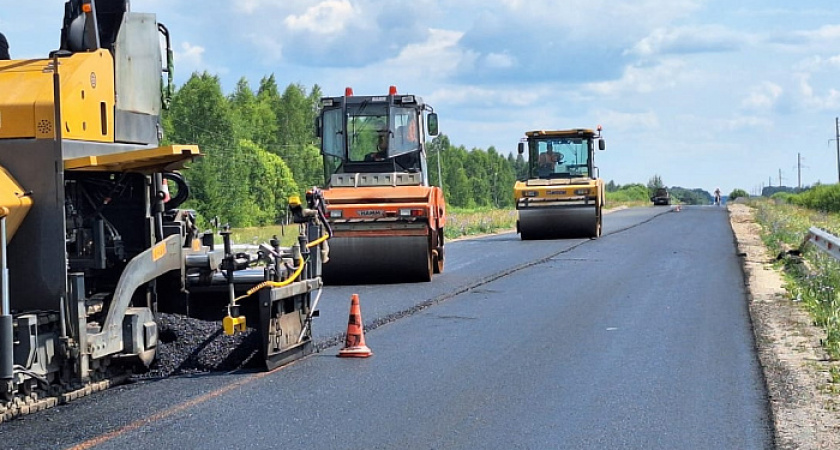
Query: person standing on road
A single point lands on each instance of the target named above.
(4, 48)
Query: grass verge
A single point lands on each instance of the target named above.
(812, 279)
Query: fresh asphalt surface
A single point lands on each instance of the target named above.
(640, 339)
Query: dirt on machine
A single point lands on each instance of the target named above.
(387, 220)
(562, 195)
(95, 247)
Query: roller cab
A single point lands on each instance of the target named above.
(562, 197)
(387, 220)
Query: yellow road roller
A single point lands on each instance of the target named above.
(563, 195)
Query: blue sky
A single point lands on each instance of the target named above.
(703, 93)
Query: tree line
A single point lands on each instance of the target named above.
(260, 147)
(638, 192)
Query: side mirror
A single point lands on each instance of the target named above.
(601, 144)
(318, 126)
(432, 124)
(521, 148)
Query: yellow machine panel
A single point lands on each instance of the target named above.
(14, 200)
(538, 191)
(171, 157)
(87, 97)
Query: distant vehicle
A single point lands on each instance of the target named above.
(661, 197)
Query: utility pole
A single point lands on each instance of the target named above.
(780, 177)
(837, 141)
(799, 171)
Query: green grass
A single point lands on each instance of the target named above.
(465, 222)
(459, 222)
(628, 203)
(815, 281)
(257, 235)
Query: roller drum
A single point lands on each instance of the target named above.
(378, 259)
(558, 223)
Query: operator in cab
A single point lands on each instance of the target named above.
(381, 152)
(548, 158)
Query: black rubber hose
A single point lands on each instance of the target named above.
(183, 190)
(6, 348)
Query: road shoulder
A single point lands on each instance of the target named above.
(806, 411)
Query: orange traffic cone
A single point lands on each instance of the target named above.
(354, 345)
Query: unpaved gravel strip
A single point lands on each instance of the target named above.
(805, 412)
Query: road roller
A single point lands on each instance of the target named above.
(95, 246)
(387, 221)
(563, 195)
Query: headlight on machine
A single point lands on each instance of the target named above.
(336, 213)
(581, 191)
(529, 193)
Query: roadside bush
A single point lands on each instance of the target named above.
(629, 193)
(736, 193)
(784, 197)
(821, 198)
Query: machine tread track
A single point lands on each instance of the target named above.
(39, 399)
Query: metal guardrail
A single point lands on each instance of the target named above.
(823, 240)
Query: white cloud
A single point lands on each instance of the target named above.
(499, 61)
(745, 122)
(190, 59)
(809, 98)
(823, 39)
(763, 97)
(436, 58)
(191, 55)
(817, 62)
(249, 6)
(824, 33)
(689, 39)
(327, 18)
(474, 96)
(618, 120)
(643, 79)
